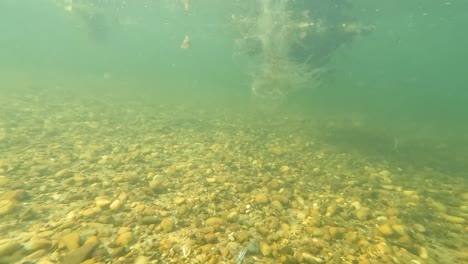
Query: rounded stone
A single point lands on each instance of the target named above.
(261, 198)
(124, 239)
(115, 205)
(149, 219)
(70, 241)
(232, 216)
(167, 225)
(386, 230)
(179, 200)
(7, 206)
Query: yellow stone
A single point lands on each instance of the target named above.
(124, 239)
(284, 168)
(386, 229)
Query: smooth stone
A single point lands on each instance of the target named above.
(70, 241)
(363, 213)
(265, 249)
(284, 168)
(386, 229)
(276, 205)
(232, 216)
(80, 254)
(261, 198)
(214, 221)
(141, 260)
(115, 205)
(61, 173)
(149, 219)
(7, 207)
(242, 236)
(124, 239)
(167, 225)
(37, 244)
(211, 238)
(8, 247)
(453, 219)
(90, 211)
(102, 201)
(179, 200)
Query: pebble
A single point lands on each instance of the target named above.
(363, 213)
(386, 229)
(265, 249)
(167, 225)
(261, 198)
(149, 219)
(8, 247)
(276, 205)
(37, 244)
(124, 239)
(89, 212)
(242, 236)
(232, 216)
(141, 260)
(211, 238)
(115, 205)
(7, 207)
(102, 201)
(422, 251)
(70, 241)
(284, 168)
(399, 229)
(61, 173)
(453, 219)
(214, 221)
(309, 258)
(80, 254)
(419, 228)
(211, 180)
(179, 200)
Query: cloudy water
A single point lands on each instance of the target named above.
(242, 131)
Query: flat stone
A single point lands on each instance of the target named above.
(80, 254)
(70, 241)
(261, 198)
(149, 219)
(7, 207)
(8, 247)
(124, 239)
(179, 200)
(167, 225)
(37, 244)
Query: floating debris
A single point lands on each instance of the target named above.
(186, 43)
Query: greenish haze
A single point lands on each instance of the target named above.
(406, 78)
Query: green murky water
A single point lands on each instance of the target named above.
(264, 131)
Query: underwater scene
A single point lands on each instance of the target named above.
(233, 131)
